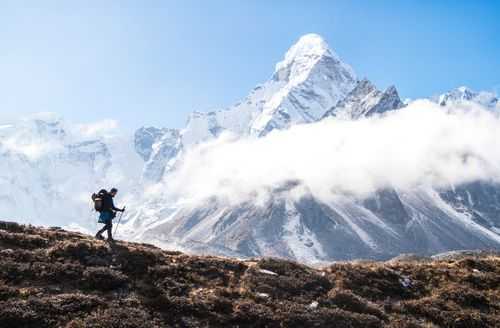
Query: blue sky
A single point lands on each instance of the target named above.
(153, 62)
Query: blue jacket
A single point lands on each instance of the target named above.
(106, 217)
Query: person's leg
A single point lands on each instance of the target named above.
(99, 233)
(109, 227)
(105, 218)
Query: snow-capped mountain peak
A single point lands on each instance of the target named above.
(301, 58)
(306, 83)
(311, 79)
(463, 93)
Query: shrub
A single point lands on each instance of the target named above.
(291, 281)
(7, 292)
(79, 250)
(346, 300)
(116, 318)
(22, 240)
(104, 279)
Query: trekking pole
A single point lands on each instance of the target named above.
(119, 219)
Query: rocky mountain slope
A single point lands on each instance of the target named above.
(55, 278)
(308, 230)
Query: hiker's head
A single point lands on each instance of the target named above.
(113, 192)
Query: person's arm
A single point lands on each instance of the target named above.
(115, 208)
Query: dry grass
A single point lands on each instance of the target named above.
(54, 278)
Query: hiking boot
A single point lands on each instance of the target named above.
(110, 240)
(98, 236)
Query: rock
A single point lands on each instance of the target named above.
(313, 305)
(268, 272)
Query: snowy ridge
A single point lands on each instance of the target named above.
(366, 100)
(464, 94)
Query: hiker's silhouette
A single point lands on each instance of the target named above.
(104, 204)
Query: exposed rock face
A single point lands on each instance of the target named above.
(54, 278)
(365, 100)
(478, 200)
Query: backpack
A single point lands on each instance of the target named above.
(98, 200)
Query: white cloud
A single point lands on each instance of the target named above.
(423, 144)
(100, 128)
(32, 150)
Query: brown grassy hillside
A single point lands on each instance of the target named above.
(54, 278)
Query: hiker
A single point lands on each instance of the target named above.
(108, 212)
